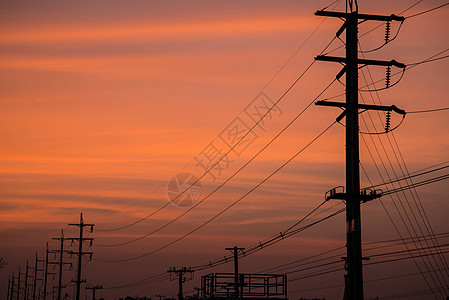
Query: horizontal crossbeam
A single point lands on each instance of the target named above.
(371, 62)
(363, 106)
(359, 16)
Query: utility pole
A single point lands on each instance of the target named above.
(235, 250)
(46, 273)
(61, 262)
(36, 269)
(180, 274)
(353, 196)
(9, 286)
(160, 296)
(94, 289)
(25, 293)
(80, 252)
(18, 285)
(197, 289)
(12, 287)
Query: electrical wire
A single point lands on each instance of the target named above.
(398, 198)
(428, 110)
(160, 277)
(429, 264)
(386, 42)
(427, 11)
(407, 177)
(378, 26)
(227, 180)
(301, 46)
(249, 131)
(228, 207)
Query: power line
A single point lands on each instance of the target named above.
(163, 276)
(249, 131)
(429, 10)
(229, 178)
(428, 110)
(422, 214)
(407, 177)
(231, 205)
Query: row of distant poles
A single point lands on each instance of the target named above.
(41, 266)
(353, 197)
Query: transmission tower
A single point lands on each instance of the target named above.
(353, 197)
(80, 252)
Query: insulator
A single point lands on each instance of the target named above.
(388, 77)
(387, 32)
(387, 121)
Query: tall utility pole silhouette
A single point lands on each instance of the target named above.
(36, 269)
(235, 250)
(180, 274)
(61, 262)
(94, 289)
(80, 252)
(353, 196)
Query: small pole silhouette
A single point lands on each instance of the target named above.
(235, 250)
(197, 291)
(94, 289)
(180, 274)
(160, 296)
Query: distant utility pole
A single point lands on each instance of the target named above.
(235, 250)
(9, 286)
(180, 274)
(25, 293)
(46, 273)
(18, 285)
(61, 262)
(12, 287)
(80, 252)
(353, 196)
(198, 290)
(94, 289)
(36, 269)
(160, 296)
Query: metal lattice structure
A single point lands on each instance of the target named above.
(251, 286)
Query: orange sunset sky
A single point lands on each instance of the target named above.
(104, 102)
